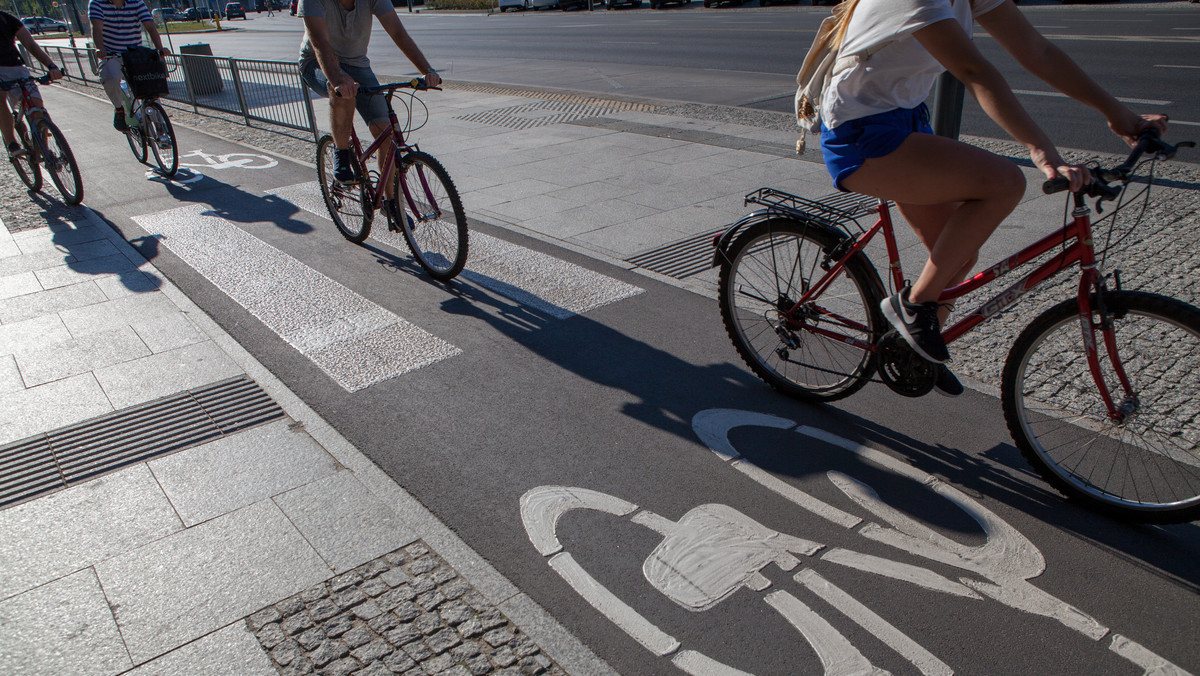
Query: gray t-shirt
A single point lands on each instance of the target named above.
(349, 32)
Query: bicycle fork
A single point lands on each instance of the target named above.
(1093, 317)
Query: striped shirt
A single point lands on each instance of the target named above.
(122, 26)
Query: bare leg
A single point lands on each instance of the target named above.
(341, 119)
(929, 172)
(7, 130)
(928, 221)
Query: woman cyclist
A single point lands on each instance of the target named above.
(876, 139)
(12, 67)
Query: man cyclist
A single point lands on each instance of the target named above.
(117, 26)
(12, 67)
(333, 62)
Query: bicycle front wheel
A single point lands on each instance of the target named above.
(160, 137)
(437, 232)
(767, 269)
(1145, 467)
(348, 205)
(137, 142)
(60, 162)
(27, 165)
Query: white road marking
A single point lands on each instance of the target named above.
(880, 628)
(1171, 65)
(354, 341)
(838, 656)
(537, 280)
(699, 664)
(1123, 99)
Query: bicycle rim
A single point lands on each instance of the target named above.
(60, 163)
(161, 138)
(437, 232)
(27, 165)
(767, 269)
(137, 142)
(349, 206)
(1145, 468)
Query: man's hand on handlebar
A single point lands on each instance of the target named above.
(432, 79)
(347, 88)
(1131, 127)
(55, 74)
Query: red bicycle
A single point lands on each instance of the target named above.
(45, 146)
(1099, 391)
(430, 215)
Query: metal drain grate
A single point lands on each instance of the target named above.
(679, 259)
(595, 101)
(74, 454)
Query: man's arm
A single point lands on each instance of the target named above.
(340, 83)
(152, 30)
(1050, 64)
(391, 24)
(38, 53)
(98, 38)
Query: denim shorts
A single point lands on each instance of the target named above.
(372, 107)
(847, 146)
(8, 73)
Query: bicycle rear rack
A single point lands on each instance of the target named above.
(836, 210)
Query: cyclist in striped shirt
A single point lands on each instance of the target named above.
(116, 26)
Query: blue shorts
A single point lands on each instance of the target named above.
(847, 146)
(372, 107)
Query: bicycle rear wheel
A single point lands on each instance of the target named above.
(766, 270)
(160, 136)
(1145, 468)
(437, 232)
(60, 162)
(27, 165)
(349, 206)
(137, 142)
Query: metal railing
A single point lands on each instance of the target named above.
(270, 92)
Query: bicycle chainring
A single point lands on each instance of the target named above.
(902, 369)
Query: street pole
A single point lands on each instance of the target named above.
(947, 106)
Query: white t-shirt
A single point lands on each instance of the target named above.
(900, 74)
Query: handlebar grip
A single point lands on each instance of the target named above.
(1053, 185)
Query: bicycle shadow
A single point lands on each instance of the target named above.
(234, 204)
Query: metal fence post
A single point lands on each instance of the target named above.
(237, 86)
(308, 106)
(947, 106)
(82, 73)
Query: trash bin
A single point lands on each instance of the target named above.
(200, 73)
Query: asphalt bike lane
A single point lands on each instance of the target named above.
(590, 431)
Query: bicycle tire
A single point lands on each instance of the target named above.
(437, 234)
(28, 168)
(161, 138)
(349, 206)
(137, 142)
(768, 267)
(1145, 469)
(60, 162)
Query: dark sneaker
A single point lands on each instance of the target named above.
(15, 150)
(946, 384)
(918, 323)
(119, 120)
(343, 167)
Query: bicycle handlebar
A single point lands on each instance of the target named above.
(9, 84)
(1148, 142)
(417, 83)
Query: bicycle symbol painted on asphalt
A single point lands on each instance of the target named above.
(230, 161)
(714, 550)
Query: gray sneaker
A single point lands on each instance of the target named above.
(16, 150)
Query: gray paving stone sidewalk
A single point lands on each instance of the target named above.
(272, 548)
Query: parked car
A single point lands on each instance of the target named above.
(168, 14)
(564, 5)
(42, 24)
(197, 14)
(613, 4)
(657, 4)
(234, 11)
(543, 4)
(520, 5)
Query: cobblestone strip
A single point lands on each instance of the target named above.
(407, 612)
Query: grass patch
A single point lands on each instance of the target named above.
(460, 4)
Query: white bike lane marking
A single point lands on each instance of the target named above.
(714, 550)
(188, 172)
(534, 279)
(353, 340)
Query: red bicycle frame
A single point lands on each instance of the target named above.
(396, 143)
(1080, 250)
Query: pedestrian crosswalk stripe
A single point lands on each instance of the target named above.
(534, 279)
(353, 340)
